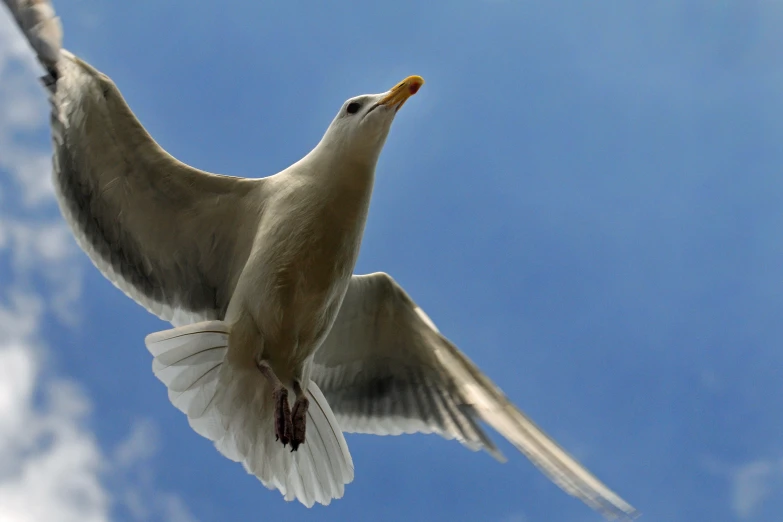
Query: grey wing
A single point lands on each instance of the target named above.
(172, 237)
(385, 369)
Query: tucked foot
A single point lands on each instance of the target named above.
(299, 420)
(283, 422)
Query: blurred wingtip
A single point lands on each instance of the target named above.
(42, 28)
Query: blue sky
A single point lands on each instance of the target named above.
(585, 196)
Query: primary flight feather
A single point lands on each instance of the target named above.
(276, 343)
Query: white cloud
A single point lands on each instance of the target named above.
(751, 485)
(140, 445)
(32, 235)
(175, 510)
(23, 108)
(47, 251)
(134, 472)
(52, 466)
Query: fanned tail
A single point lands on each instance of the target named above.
(233, 408)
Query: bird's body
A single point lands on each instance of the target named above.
(256, 276)
(298, 271)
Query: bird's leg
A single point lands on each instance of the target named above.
(282, 417)
(299, 415)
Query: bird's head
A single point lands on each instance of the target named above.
(360, 128)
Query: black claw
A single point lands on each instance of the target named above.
(299, 417)
(282, 417)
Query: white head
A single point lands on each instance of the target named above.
(359, 130)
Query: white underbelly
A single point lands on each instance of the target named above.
(296, 278)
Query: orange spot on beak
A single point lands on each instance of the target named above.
(402, 91)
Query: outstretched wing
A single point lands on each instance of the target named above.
(385, 369)
(170, 236)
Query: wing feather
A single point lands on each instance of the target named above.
(384, 355)
(172, 237)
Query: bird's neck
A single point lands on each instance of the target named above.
(338, 168)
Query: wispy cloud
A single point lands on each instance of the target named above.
(134, 475)
(22, 111)
(140, 445)
(751, 486)
(516, 517)
(52, 466)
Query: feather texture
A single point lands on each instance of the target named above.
(162, 231)
(233, 408)
(187, 244)
(385, 369)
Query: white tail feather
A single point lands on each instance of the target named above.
(233, 408)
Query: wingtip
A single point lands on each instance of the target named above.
(496, 454)
(42, 28)
(620, 511)
(624, 516)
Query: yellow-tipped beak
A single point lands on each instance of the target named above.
(400, 93)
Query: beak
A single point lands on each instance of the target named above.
(400, 93)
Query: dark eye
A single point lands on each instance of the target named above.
(353, 107)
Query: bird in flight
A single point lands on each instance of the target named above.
(277, 347)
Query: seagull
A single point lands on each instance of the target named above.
(277, 347)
